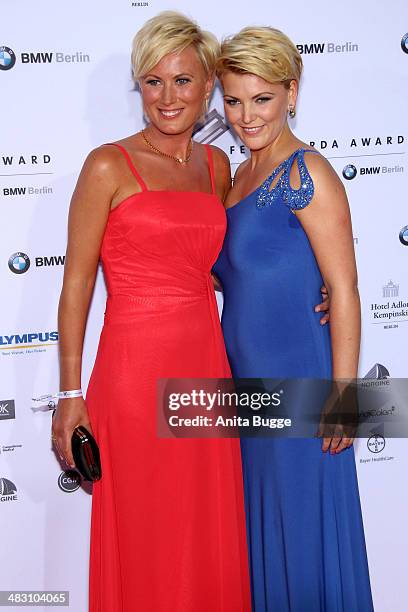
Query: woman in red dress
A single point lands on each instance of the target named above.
(168, 528)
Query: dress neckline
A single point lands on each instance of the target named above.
(144, 188)
(164, 191)
(275, 170)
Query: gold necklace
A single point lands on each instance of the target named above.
(180, 160)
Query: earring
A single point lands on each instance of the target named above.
(292, 111)
(145, 116)
(206, 101)
(204, 111)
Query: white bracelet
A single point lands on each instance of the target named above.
(69, 394)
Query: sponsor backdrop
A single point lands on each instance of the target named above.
(66, 88)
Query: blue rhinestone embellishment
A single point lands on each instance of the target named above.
(294, 198)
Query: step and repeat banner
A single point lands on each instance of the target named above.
(66, 87)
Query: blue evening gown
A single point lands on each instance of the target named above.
(304, 525)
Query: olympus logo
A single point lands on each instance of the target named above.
(15, 340)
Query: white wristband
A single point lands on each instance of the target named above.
(69, 394)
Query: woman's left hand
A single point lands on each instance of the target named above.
(324, 306)
(336, 444)
(339, 418)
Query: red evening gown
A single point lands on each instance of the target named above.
(168, 525)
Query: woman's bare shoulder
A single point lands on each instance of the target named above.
(320, 169)
(102, 158)
(221, 159)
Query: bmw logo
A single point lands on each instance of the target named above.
(404, 43)
(7, 58)
(349, 172)
(69, 481)
(403, 236)
(19, 263)
(376, 444)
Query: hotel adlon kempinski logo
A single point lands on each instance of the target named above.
(390, 309)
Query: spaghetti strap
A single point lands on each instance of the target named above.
(211, 167)
(130, 164)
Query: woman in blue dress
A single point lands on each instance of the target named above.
(289, 229)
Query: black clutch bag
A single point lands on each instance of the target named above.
(86, 454)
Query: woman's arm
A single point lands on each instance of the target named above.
(327, 223)
(222, 171)
(88, 215)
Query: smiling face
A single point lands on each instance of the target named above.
(174, 91)
(256, 109)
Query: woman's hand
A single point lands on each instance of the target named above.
(336, 444)
(339, 418)
(324, 306)
(69, 413)
(336, 441)
(216, 283)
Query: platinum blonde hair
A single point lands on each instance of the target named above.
(171, 32)
(263, 51)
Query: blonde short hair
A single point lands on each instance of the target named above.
(263, 51)
(171, 32)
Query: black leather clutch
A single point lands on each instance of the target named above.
(86, 454)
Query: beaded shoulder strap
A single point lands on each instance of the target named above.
(296, 199)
